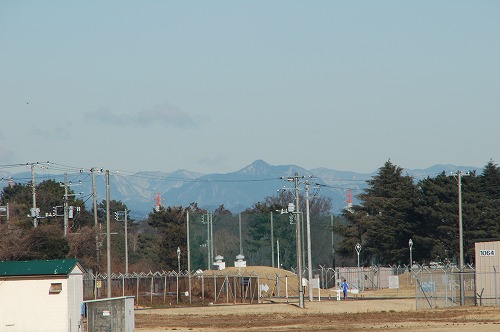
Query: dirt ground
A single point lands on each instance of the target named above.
(386, 309)
(352, 315)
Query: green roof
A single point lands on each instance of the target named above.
(42, 267)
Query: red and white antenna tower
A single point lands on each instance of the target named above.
(349, 200)
(157, 202)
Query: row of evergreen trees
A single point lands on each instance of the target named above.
(395, 209)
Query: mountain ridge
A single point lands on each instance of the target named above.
(237, 190)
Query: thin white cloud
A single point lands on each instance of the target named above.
(166, 116)
(162, 115)
(217, 161)
(105, 116)
(56, 132)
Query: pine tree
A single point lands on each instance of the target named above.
(384, 221)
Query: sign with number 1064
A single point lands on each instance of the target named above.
(488, 253)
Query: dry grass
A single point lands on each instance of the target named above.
(387, 309)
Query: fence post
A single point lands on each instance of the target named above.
(227, 289)
(151, 290)
(95, 287)
(235, 291)
(286, 288)
(137, 290)
(215, 288)
(177, 282)
(202, 288)
(496, 289)
(258, 290)
(165, 289)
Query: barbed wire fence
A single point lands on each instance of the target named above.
(435, 287)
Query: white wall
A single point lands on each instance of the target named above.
(488, 272)
(27, 305)
(75, 299)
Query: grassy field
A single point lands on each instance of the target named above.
(387, 309)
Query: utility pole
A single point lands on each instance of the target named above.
(211, 237)
(96, 221)
(299, 240)
(188, 244)
(34, 210)
(126, 242)
(67, 210)
(239, 225)
(108, 235)
(208, 239)
(125, 225)
(461, 239)
(309, 260)
(295, 212)
(272, 241)
(333, 243)
(65, 205)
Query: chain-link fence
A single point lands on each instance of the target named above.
(222, 286)
(367, 278)
(435, 287)
(445, 286)
(200, 288)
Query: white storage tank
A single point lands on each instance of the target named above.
(240, 261)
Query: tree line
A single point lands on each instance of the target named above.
(393, 209)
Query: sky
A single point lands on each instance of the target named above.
(211, 86)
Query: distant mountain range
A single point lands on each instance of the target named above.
(237, 190)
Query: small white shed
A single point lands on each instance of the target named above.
(43, 295)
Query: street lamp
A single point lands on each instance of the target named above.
(179, 260)
(410, 243)
(358, 250)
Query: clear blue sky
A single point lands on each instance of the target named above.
(211, 86)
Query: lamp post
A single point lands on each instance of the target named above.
(410, 243)
(358, 250)
(179, 260)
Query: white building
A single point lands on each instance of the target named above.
(488, 272)
(43, 295)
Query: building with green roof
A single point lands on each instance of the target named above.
(41, 295)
